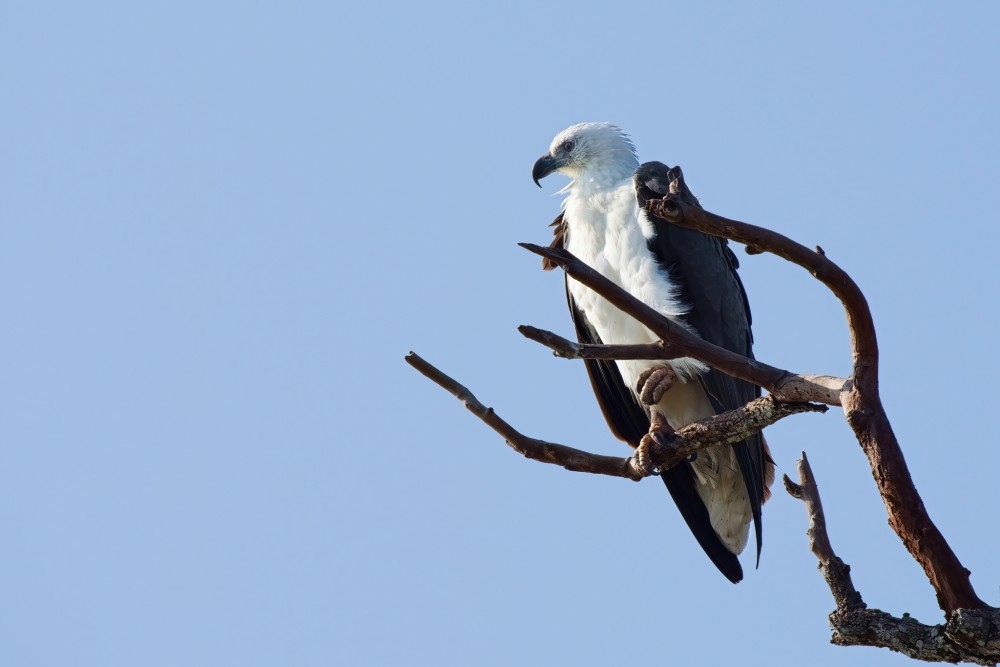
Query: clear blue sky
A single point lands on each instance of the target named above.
(222, 226)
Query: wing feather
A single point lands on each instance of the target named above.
(704, 269)
(629, 422)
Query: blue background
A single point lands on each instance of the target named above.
(224, 224)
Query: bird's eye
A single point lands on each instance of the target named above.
(568, 146)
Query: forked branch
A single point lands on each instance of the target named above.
(860, 400)
(855, 624)
(729, 427)
(972, 631)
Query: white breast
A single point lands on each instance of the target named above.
(608, 231)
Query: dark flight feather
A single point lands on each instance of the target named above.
(629, 422)
(720, 315)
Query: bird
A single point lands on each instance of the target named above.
(691, 278)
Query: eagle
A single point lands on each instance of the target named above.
(688, 276)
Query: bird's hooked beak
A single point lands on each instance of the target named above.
(545, 166)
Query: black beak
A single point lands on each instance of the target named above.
(543, 167)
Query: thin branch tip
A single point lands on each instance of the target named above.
(558, 256)
(793, 489)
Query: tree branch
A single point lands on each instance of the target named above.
(728, 427)
(860, 400)
(972, 631)
(862, 328)
(532, 448)
(781, 384)
(792, 388)
(567, 349)
(835, 571)
(854, 624)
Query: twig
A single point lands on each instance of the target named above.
(791, 388)
(728, 427)
(567, 349)
(532, 448)
(836, 573)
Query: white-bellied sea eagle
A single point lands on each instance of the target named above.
(691, 278)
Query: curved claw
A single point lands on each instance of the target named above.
(654, 382)
(652, 445)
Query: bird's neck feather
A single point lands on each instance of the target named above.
(608, 174)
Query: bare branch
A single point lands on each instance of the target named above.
(679, 342)
(729, 427)
(972, 631)
(835, 571)
(862, 327)
(532, 448)
(854, 624)
(860, 400)
(825, 389)
(567, 349)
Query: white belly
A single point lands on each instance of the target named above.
(613, 244)
(611, 240)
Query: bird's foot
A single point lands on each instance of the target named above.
(654, 382)
(652, 446)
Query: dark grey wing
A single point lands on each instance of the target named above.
(626, 417)
(629, 422)
(704, 269)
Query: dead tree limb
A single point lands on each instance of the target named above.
(855, 624)
(788, 387)
(725, 428)
(972, 630)
(860, 400)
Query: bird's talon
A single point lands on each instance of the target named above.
(660, 437)
(640, 460)
(654, 382)
(597, 154)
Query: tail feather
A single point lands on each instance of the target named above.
(680, 483)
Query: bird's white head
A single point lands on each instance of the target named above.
(592, 154)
